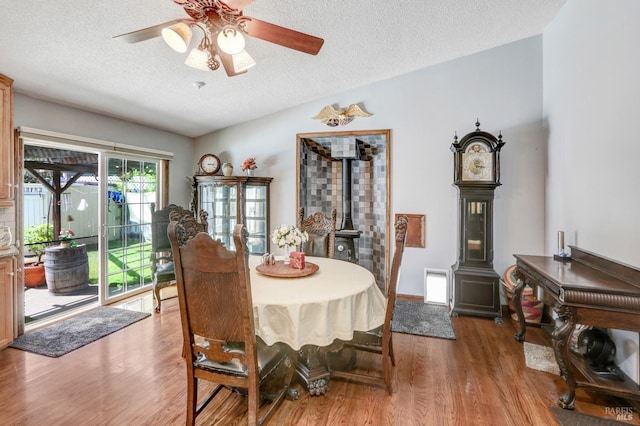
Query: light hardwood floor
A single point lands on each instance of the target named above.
(136, 377)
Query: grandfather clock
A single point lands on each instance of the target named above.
(476, 286)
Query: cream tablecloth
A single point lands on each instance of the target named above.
(339, 298)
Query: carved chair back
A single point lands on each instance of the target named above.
(401, 235)
(162, 267)
(322, 233)
(216, 311)
(379, 340)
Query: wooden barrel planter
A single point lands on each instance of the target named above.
(66, 268)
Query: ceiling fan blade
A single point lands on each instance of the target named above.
(227, 64)
(238, 4)
(148, 33)
(283, 36)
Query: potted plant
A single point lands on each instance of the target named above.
(35, 238)
(249, 165)
(65, 237)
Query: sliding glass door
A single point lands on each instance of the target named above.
(102, 194)
(130, 192)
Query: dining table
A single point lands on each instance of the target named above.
(312, 314)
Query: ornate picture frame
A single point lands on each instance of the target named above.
(415, 230)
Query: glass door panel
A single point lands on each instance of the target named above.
(220, 203)
(131, 189)
(476, 230)
(256, 218)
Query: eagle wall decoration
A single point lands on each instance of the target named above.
(341, 116)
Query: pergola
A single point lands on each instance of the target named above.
(59, 162)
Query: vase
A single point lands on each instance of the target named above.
(287, 254)
(249, 172)
(227, 169)
(65, 244)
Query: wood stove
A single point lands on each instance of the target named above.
(348, 171)
(345, 246)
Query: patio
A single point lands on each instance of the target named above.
(40, 303)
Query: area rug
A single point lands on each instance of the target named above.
(422, 319)
(571, 418)
(80, 330)
(540, 358)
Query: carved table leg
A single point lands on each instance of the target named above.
(560, 340)
(341, 360)
(517, 304)
(292, 394)
(312, 370)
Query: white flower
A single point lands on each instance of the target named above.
(288, 236)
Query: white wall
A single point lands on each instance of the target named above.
(39, 114)
(591, 105)
(423, 109)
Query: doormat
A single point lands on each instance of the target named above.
(540, 358)
(571, 418)
(422, 319)
(73, 333)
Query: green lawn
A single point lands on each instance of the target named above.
(126, 265)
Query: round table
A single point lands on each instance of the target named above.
(331, 304)
(310, 313)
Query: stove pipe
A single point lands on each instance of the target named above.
(347, 223)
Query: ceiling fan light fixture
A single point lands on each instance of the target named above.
(242, 61)
(224, 28)
(198, 59)
(177, 36)
(230, 40)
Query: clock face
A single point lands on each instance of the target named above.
(209, 164)
(477, 163)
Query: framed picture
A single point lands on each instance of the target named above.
(415, 230)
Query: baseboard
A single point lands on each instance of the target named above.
(409, 297)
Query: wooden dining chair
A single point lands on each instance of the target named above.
(379, 340)
(162, 266)
(216, 311)
(322, 233)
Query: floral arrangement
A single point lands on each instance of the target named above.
(65, 235)
(288, 236)
(249, 163)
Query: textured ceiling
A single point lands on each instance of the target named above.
(63, 51)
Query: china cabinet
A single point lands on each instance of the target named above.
(7, 285)
(6, 142)
(229, 200)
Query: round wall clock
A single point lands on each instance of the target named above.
(209, 164)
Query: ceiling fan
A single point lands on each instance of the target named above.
(222, 25)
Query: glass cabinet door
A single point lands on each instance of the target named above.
(232, 200)
(220, 203)
(256, 208)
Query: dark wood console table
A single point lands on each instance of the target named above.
(586, 289)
